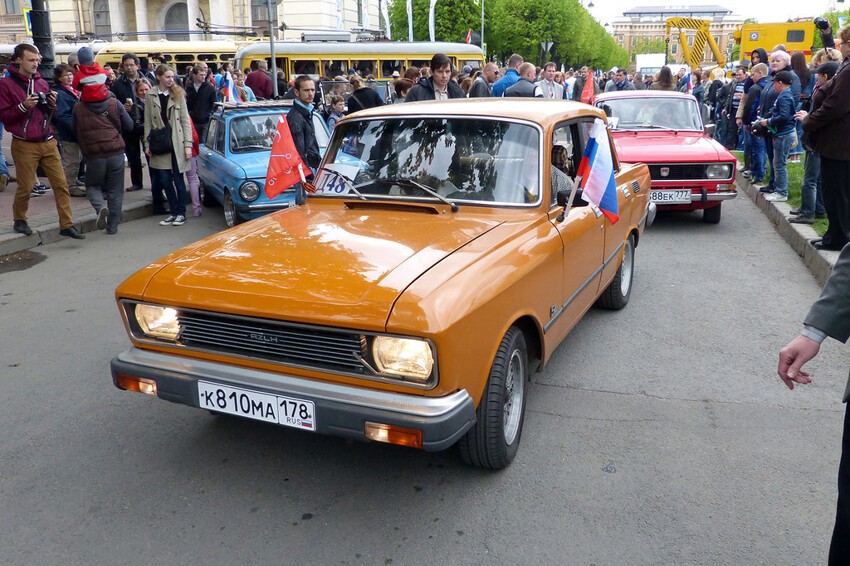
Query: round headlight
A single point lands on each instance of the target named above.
(403, 357)
(249, 191)
(158, 322)
(719, 171)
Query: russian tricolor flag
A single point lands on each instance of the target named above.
(597, 173)
(228, 89)
(690, 82)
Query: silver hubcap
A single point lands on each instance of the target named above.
(626, 279)
(514, 391)
(229, 211)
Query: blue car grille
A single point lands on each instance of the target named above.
(281, 343)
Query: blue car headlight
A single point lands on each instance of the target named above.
(249, 191)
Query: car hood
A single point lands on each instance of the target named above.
(314, 264)
(667, 147)
(254, 165)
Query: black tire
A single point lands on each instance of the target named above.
(616, 296)
(711, 215)
(206, 197)
(231, 216)
(493, 440)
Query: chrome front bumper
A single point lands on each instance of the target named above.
(341, 410)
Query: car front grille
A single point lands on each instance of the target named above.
(282, 343)
(685, 172)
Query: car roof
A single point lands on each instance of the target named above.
(643, 94)
(260, 107)
(542, 111)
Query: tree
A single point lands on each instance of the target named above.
(452, 19)
(646, 45)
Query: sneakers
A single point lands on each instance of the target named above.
(4, 181)
(179, 220)
(76, 191)
(795, 212)
(746, 174)
(802, 220)
(37, 192)
(766, 190)
(776, 197)
(102, 217)
(71, 232)
(21, 227)
(168, 221)
(134, 188)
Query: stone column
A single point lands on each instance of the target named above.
(219, 14)
(194, 11)
(141, 17)
(118, 16)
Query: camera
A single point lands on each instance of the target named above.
(822, 24)
(42, 100)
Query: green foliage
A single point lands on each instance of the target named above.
(646, 45)
(452, 19)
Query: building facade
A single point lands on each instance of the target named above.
(648, 23)
(170, 19)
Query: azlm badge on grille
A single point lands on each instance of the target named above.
(665, 171)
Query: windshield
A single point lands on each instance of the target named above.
(459, 159)
(646, 112)
(255, 132)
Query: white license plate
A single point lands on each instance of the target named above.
(677, 196)
(286, 411)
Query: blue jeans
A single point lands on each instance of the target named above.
(748, 146)
(798, 148)
(758, 158)
(3, 169)
(781, 149)
(172, 182)
(812, 200)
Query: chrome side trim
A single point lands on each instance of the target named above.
(584, 285)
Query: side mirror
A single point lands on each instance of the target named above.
(709, 130)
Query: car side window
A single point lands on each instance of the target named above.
(566, 155)
(219, 138)
(585, 127)
(210, 139)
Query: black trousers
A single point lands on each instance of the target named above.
(133, 149)
(835, 188)
(839, 548)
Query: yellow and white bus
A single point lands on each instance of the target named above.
(178, 54)
(377, 58)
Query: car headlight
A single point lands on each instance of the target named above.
(719, 171)
(158, 322)
(403, 357)
(249, 191)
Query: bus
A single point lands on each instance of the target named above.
(377, 58)
(795, 36)
(178, 54)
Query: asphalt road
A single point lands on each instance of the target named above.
(659, 434)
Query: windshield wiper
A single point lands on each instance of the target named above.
(424, 188)
(657, 127)
(350, 186)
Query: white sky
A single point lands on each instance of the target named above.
(763, 10)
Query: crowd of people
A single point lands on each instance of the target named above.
(772, 109)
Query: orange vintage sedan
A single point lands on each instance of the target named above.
(444, 256)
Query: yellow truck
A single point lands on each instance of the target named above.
(795, 36)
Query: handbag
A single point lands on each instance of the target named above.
(159, 141)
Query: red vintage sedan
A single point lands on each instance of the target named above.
(689, 170)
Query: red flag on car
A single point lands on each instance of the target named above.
(469, 36)
(285, 165)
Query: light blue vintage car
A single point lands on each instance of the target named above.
(234, 159)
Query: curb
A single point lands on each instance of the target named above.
(819, 262)
(11, 243)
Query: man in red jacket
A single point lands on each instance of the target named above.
(260, 82)
(26, 105)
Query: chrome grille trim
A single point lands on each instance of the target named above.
(322, 349)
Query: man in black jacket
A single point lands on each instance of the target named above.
(300, 121)
(124, 89)
(439, 85)
(200, 99)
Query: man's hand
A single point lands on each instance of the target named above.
(30, 102)
(739, 121)
(792, 357)
(51, 98)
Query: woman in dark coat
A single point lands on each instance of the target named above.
(362, 97)
(665, 80)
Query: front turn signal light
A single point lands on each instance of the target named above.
(392, 434)
(138, 384)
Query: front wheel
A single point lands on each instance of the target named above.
(231, 216)
(711, 215)
(616, 296)
(493, 440)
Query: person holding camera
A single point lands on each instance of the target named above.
(26, 106)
